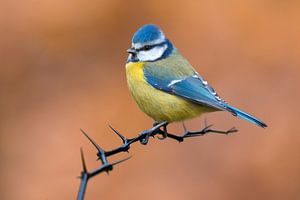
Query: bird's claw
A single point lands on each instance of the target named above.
(164, 136)
(145, 139)
(164, 133)
(145, 135)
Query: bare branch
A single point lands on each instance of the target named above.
(158, 129)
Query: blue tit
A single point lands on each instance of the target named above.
(165, 85)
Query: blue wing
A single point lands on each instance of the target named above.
(196, 89)
(193, 88)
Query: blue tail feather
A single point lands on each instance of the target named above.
(246, 116)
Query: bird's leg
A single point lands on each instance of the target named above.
(206, 130)
(152, 131)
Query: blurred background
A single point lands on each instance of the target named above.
(63, 68)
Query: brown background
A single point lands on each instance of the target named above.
(62, 68)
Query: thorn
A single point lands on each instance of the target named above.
(119, 134)
(84, 168)
(120, 161)
(206, 128)
(232, 130)
(92, 141)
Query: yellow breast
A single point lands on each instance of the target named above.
(158, 104)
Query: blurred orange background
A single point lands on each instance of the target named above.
(63, 68)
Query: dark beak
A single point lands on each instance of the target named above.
(131, 50)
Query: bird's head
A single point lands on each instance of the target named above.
(149, 44)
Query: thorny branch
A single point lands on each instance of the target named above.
(158, 129)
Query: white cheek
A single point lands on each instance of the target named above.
(152, 54)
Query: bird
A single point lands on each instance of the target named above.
(165, 85)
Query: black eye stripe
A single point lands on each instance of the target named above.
(148, 47)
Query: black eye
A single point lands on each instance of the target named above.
(147, 47)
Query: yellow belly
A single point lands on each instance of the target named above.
(155, 103)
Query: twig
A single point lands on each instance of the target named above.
(143, 138)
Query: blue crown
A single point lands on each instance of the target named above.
(147, 33)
